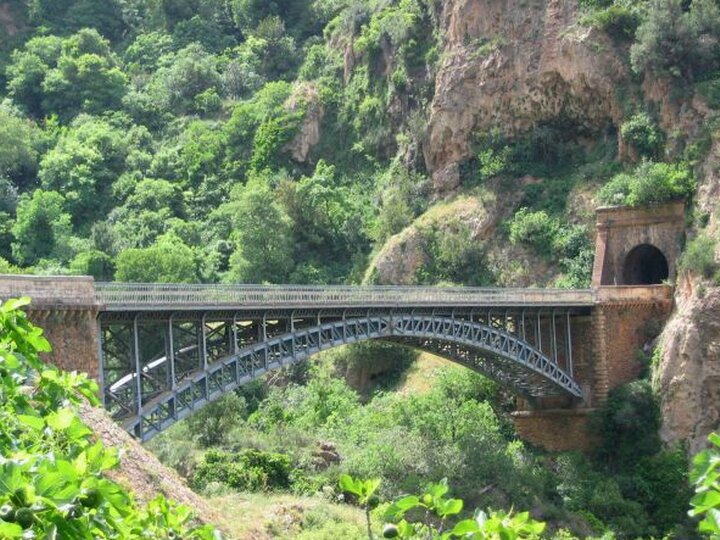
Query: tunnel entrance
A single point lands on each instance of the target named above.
(645, 265)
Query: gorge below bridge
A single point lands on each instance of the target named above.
(161, 352)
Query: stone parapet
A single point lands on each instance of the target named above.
(66, 309)
(51, 292)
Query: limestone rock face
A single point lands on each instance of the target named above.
(688, 377)
(404, 254)
(305, 95)
(511, 65)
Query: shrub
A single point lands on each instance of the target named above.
(247, 470)
(93, 263)
(699, 256)
(650, 183)
(644, 135)
(536, 229)
(619, 20)
(628, 425)
(678, 42)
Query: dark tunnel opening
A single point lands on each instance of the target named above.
(645, 265)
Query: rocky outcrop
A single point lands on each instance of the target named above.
(511, 65)
(305, 96)
(688, 377)
(405, 254)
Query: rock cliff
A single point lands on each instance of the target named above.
(688, 375)
(511, 65)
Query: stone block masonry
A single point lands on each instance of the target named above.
(66, 308)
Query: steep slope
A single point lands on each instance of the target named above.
(511, 65)
(688, 374)
(141, 471)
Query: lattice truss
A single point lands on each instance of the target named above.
(159, 369)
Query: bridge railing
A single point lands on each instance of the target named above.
(128, 296)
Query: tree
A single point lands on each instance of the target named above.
(185, 74)
(677, 42)
(65, 77)
(168, 260)
(29, 68)
(93, 263)
(86, 78)
(65, 16)
(42, 229)
(84, 164)
(262, 234)
(18, 155)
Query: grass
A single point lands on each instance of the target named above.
(421, 376)
(265, 516)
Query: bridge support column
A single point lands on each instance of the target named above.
(607, 347)
(66, 309)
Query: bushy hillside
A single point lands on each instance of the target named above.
(253, 141)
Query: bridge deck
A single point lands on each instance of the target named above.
(157, 297)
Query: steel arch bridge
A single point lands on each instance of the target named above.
(169, 350)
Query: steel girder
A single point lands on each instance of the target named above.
(495, 352)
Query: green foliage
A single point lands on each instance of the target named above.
(168, 260)
(704, 476)
(87, 159)
(93, 263)
(426, 516)
(402, 195)
(263, 241)
(18, 152)
(364, 493)
(247, 470)
(53, 481)
(42, 229)
(620, 19)
(649, 183)
(644, 135)
(678, 42)
(628, 425)
(65, 16)
(536, 229)
(569, 245)
(66, 77)
(699, 256)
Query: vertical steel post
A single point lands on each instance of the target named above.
(569, 346)
(522, 323)
(538, 341)
(554, 339)
(203, 352)
(138, 366)
(264, 339)
(171, 338)
(344, 325)
(236, 346)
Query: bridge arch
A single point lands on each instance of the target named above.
(645, 264)
(492, 351)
